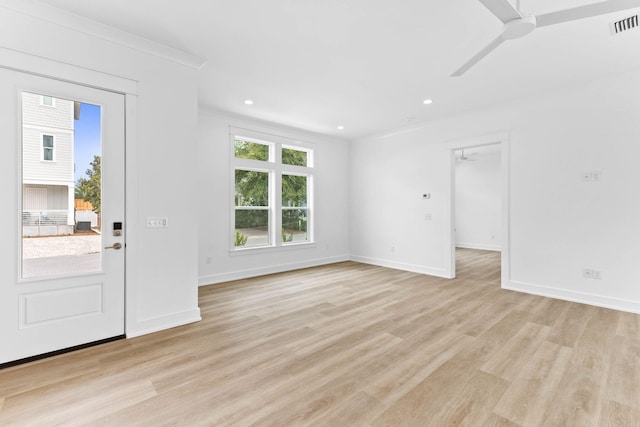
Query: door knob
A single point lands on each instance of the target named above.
(116, 245)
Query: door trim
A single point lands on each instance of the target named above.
(65, 72)
(70, 73)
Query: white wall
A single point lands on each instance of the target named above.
(558, 223)
(213, 204)
(478, 203)
(161, 142)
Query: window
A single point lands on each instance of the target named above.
(47, 101)
(251, 150)
(294, 208)
(47, 148)
(291, 156)
(252, 208)
(272, 193)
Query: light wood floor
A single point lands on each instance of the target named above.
(351, 345)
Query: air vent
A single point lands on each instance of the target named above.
(623, 25)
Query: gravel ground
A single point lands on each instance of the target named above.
(41, 247)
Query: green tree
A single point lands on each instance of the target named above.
(251, 150)
(89, 188)
(294, 191)
(294, 157)
(252, 188)
(78, 194)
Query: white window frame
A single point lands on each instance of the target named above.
(307, 208)
(42, 147)
(44, 104)
(276, 169)
(268, 208)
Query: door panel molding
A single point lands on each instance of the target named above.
(40, 308)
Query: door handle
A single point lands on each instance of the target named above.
(116, 245)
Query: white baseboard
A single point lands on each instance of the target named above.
(164, 322)
(262, 271)
(529, 288)
(479, 246)
(431, 271)
(573, 296)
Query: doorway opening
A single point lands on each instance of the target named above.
(479, 207)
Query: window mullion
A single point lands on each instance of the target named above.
(277, 207)
(251, 164)
(277, 199)
(310, 208)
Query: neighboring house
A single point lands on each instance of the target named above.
(47, 165)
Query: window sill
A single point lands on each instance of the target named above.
(267, 249)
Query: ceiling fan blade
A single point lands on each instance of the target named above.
(586, 11)
(502, 9)
(478, 56)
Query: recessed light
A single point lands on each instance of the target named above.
(428, 101)
(248, 102)
(340, 127)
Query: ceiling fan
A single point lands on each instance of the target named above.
(517, 25)
(466, 157)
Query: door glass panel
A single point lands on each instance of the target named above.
(61, 186)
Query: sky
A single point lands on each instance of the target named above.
(87, 138)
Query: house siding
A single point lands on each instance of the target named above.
(60, 116)
(41, 120)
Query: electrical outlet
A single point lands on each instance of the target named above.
(592, 176)
(589, 273)
(207, 260)
(393, 248)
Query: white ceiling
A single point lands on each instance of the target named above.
(366, 64)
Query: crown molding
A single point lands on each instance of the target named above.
(74, 22)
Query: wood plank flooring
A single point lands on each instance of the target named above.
(351, 345)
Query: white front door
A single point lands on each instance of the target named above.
(62, 215)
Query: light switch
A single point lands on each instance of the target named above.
(157, 222)
(592, 176)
